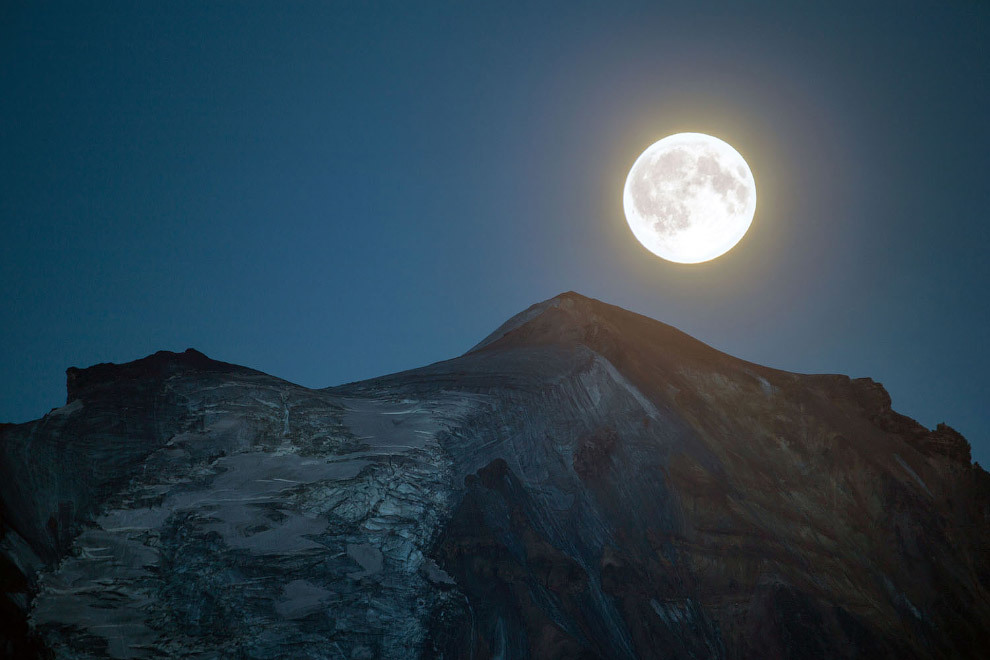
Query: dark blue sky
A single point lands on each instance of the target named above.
(333, 191)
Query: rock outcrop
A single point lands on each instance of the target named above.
(584, 483)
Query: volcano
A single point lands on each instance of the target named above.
(586, 482)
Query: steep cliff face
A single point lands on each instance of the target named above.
(586, 482)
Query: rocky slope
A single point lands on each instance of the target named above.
(586, 482)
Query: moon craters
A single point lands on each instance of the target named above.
(689, 197)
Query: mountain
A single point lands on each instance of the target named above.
(584, 483)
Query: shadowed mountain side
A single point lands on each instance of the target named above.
(795, 493)
(586, 482)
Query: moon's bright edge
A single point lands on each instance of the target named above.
(689, 198)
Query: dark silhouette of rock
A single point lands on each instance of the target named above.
(584, 483)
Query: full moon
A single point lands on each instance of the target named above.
(689, 198)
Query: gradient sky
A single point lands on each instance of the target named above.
(333, 191)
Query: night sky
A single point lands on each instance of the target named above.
(334, 191)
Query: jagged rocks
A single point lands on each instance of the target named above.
(946, 441)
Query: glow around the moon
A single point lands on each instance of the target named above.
(689, 198)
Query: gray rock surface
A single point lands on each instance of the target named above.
(585, 482)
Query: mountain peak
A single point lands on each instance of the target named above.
(81, 382)
(573, 319)
(569, 300)
(608, 486)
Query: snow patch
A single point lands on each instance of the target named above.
(914, 474)
(67, 409)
